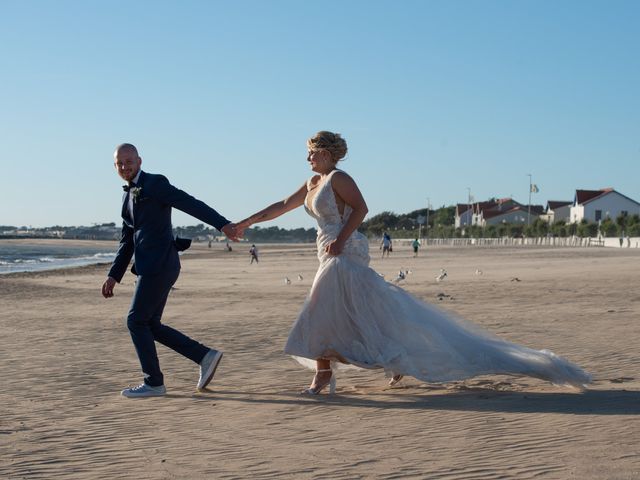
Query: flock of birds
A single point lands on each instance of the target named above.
(403, 274)
(287, 280)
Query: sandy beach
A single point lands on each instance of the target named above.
(66, 354)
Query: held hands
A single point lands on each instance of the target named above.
(334, 248)
(107, 287)
(232, 232)
(241, 227)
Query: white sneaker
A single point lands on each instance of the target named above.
(144, 390)
(208, 367)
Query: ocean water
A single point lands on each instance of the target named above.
(32, 257)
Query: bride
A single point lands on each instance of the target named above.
(354, 316)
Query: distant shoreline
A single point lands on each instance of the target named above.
(53, 241)
(38, 255)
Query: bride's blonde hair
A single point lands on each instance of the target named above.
(329, 141)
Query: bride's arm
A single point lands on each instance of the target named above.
(345, 187)
(276, 209)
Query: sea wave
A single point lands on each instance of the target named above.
(104, 255)
(36, 260)
(13, 265)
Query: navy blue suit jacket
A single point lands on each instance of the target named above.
(149, 236)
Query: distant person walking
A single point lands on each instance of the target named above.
(253, 251)
(416, 246)
(387, 245)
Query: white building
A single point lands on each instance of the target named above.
(597, 205)
(519, 214)
(464, 215)
(496, 211)
(558, 210)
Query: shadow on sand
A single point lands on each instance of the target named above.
(590, 402)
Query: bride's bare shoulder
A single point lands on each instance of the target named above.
(341, 177)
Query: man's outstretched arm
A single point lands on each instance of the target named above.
(190, 205)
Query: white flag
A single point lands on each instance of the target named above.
(534, 188)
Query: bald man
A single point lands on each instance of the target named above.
(147, 236)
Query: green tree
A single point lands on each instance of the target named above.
(586, 229)
(608, 228)
(443, 216)
(559, 229)
(492, 231)
(621, 221)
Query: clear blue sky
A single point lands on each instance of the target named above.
(433, 97)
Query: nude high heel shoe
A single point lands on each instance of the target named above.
(319, 387)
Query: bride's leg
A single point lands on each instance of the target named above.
(322, 378)
(323, 373)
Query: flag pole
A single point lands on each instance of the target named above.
(426, 227)
(529, 209)
(470, 208)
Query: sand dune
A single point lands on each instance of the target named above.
(66, 355)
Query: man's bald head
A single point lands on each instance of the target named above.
(126, 146)
(127, 161)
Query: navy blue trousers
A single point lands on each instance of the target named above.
(143, 320)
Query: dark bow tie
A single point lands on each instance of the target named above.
(126, 188)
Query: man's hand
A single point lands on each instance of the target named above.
(231, 231)
(107, 287)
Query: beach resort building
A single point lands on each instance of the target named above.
(464, 215)
(597, 205)
(557, 211)
(522, 214)
(495, 212)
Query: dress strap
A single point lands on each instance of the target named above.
(334, 171)
(330, 176)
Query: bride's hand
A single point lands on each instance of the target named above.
(334, 248)
(242, 226)
(232, 232)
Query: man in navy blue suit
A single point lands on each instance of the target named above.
(147, 237)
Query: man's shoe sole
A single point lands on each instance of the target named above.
(144, 396)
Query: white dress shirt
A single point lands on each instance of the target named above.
(130, 203)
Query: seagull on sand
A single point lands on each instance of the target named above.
(443, 274)
(401, 276)
(442, 296)
(300, 277)
(287, 281)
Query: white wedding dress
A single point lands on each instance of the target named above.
(352, 315)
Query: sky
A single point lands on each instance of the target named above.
(436, 99)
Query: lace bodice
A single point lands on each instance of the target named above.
(324, 208)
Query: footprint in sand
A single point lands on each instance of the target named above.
(621, 379)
